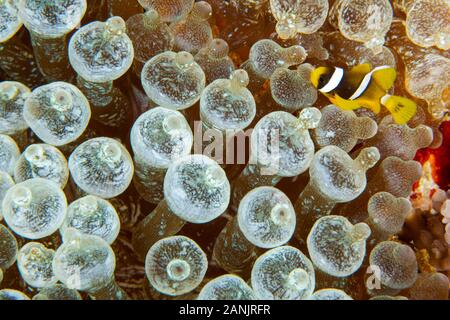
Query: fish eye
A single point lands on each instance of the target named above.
(321, 80)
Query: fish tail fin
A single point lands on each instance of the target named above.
(402, 109)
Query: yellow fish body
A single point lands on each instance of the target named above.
(362, 87)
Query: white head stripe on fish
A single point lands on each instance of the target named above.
(335, 79)
(365, 83)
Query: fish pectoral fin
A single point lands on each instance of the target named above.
(371, 98)
(385, 78)
(343, 103)
(402, 109)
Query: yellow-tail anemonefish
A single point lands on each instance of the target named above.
(362, 87)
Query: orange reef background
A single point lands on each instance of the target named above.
(439, 158)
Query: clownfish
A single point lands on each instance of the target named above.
(362, 87)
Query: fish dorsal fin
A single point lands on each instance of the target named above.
(362, 69)
(356, 74)
(384, 77)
